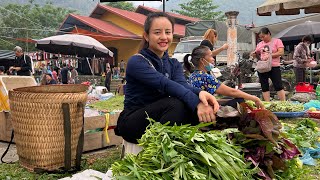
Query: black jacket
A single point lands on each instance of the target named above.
(24, 62)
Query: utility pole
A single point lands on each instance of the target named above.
(232, 37)
(164, 5)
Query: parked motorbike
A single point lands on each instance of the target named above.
(244, 72)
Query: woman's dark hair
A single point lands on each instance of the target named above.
(196, 55)
(148, 23)
(2, 68)
(264, 30)
(308, 38)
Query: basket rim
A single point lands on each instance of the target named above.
(79, 87)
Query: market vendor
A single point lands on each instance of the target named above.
(198, 64)
(22, 63)
(156, 86)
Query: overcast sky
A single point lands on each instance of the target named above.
(155, 4)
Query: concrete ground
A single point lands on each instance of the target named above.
(12, 155)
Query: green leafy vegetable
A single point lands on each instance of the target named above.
(183, 152)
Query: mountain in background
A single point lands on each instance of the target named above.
(246, 8)
(83, 7)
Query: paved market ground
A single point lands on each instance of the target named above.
(12, 155)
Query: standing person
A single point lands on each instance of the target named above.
(122, 66)
(199, 78)
(44, 69)
(156, 86)
(65, 77)
(55, 74)
(22, 63)
(301, 57)
(210, 37)
(74, 75)
(277, 50)
(108, 79)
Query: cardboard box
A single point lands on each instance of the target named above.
(97, 139)
(93, 141)
(8, 83)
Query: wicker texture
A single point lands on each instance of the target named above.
(37, 119)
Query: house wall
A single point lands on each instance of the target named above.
(124, 23)
(127, 47)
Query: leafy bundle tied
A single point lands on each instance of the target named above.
(184, 152)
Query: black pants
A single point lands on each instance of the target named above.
(300, 74)
(274, 75)
(132, 122)
(107, 85)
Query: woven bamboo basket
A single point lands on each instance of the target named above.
(38, 123)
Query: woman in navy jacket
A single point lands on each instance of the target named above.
(156, 86)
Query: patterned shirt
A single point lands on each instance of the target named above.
(204, 81)
(300, 55)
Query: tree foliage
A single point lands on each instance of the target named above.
(30, 21)
(122, 5)
(203, 9)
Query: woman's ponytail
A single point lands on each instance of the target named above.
(187, 63)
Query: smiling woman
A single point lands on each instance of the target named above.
(156, 86)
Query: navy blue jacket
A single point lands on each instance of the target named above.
(147, 84)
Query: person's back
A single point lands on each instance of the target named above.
(64, 75)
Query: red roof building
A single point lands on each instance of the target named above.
(119, 30)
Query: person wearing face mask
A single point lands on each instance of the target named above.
(276, 50)
(301, 57)
(199, 65)
(156, 86)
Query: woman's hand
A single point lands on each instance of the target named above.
(225, 46)
(205, 113)
(259, 103)
(253, 54)
(207, 98)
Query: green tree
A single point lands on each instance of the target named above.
(122, 5)
(29, 21)
(203, 9)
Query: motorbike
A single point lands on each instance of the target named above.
(244, 72)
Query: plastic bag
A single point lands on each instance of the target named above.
(309, 156)
(312, 103)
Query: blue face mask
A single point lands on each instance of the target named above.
(209, 67)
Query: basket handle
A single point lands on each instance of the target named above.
(81, 138)
(67, 136)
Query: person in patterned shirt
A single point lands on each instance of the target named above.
(198, 64)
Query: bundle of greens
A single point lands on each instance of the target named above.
(261, 141)
(279, 106)
(183, 152)
(285, 106)
(305, 134)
